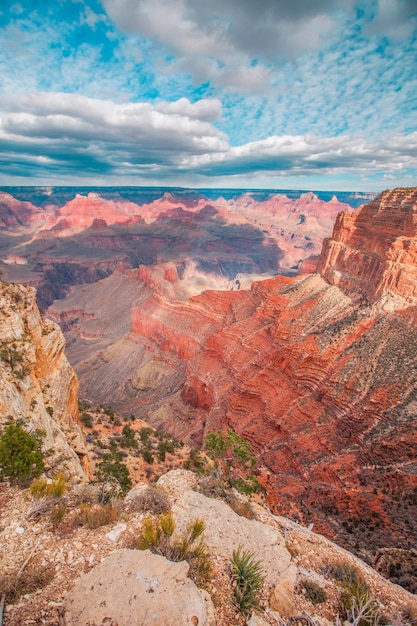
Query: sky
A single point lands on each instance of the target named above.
(273, 94)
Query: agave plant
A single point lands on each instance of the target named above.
(248, 575)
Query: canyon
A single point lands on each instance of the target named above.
(222, 321)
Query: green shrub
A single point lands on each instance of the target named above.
(358, 604)
(195, 461)
(346, 574)
(21, 456)
(314, 592)
(54, 489)
(128, 439)
(158, 536)
(144, 434)
(86, 419)
(112, 469)
(248, 485)
(249, 579)
(147, 456)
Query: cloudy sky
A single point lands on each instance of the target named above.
(236, 93)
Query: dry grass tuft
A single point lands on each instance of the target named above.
(96, 515)
(16, 584)
(153, 499)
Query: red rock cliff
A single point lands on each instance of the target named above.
(373, 251)
(323, 383)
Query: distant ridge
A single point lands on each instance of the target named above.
(59, 195)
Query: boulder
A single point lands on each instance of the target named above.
(226, 531)
(136, 588)
(282, 597)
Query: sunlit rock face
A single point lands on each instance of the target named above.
(322, 381)
(373, 251)
(37, 384)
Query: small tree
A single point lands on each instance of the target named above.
(21, 456)
(112, 469)
(233, 455)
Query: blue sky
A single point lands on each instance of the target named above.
(239, 93)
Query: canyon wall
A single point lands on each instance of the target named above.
(318, 372)
(37, 384)
(374, 250)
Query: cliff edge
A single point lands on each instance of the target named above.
(37, 384)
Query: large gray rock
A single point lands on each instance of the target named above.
(135, 588)
(226, 531)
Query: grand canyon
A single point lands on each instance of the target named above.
(289, 318)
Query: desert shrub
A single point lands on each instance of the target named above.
(158, 536)
(153, 499)
(359, 606)
(128, 439)
(11, 355)
(147, 456)
(234, 460)
(96, 515)
(162, 450)
(83, 405)
(57, 514)
(313, 591)
(86, 493)
(241, 507)
(248, 485)
(231, 445)
(195, 461)
(67, 525)
(54, 489)
(27, 580)
(214, 486)
(410, 614)
(248, 576)
(21, 456)
(346, 574)
(87, 419)
(144, 434)
(111, 469)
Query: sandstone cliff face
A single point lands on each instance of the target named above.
(321, 382)
(37, 383)
(373, 251)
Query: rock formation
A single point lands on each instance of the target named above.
(37, 384)
(134, 587)
(95, 577)
(55, 246)
(374, 250)
(322, 382)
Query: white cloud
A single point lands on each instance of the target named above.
(395, 18)
(176, 126)
(68, 133)
(309, 155)
(218, 41)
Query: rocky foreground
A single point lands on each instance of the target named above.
(317, 372)
(95, 577)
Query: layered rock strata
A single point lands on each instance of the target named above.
(37, 384)
(373, 251)
(320, 380)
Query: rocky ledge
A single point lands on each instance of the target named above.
(37, 384)
(373, 250)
